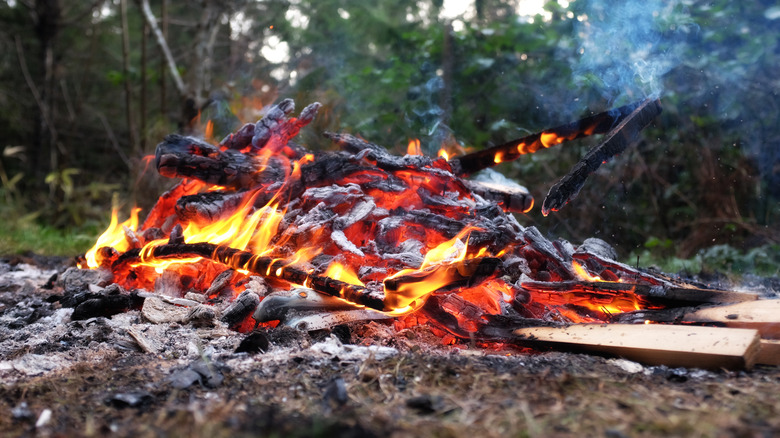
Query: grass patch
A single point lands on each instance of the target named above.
(23, 236)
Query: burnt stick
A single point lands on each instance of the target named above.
(617, 140)
(262, 266)
(271, 267)
(352, 144)
(511, 150)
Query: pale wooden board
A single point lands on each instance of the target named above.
(762, 315)
(654, 344)
(769, 353)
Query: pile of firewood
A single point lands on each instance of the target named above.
(421, 241)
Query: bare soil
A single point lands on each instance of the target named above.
(124, 376)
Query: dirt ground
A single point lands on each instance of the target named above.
(124, 376)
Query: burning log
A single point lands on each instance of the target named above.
(242, 306)
(444, 277)
(263, 266)
(616, 142)
(509, 151)
(305, 309)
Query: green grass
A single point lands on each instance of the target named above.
(22, 236)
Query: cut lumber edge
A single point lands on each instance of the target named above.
(769, 354)
(653, 344)
(761, 315)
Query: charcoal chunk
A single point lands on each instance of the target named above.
(255, 342)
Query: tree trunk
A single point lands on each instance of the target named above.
(48, 17)
(143, 87)
(126, 72)
(164, 25)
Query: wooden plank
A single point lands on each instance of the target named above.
(769, 354)
(762, 315)
(653, 344)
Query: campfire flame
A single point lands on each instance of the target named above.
(114, 237)
(414, 147)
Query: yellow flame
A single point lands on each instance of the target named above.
(411, 295)
(443, 154)
(451, 251)
(271, 218)
(114, 236)
(241, 230)
(499, 157)
(344, 273)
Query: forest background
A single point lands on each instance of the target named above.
(87, 91)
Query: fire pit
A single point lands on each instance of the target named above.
(312, 240)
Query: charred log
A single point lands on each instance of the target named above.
(188, 157)
(274, 127)
(511, 199)
(208, 207)
(617, 140)
(661, 295)
(240, 308)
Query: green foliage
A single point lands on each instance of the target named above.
(762, 260)
(704, 174)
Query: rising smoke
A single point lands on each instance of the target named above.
(625, 47)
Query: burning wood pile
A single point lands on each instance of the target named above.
(312, 240)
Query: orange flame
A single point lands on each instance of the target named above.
(414, 147)
(550, 139)
(584, 275)
(208, 133)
